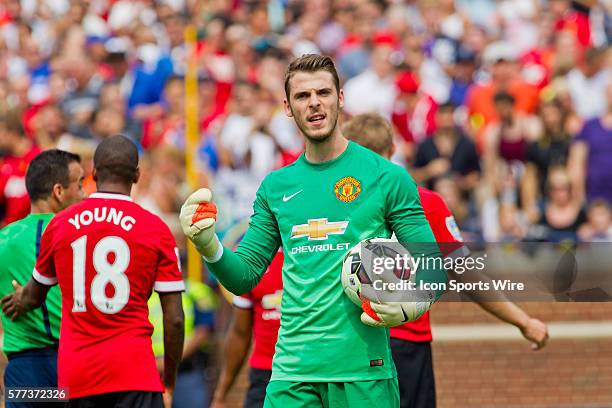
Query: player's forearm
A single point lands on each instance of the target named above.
(174, 337)
(234, 353)
(33, 295)
(507, 312)
(236, 272)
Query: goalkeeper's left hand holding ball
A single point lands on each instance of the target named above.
(392, 314)
(198, 217)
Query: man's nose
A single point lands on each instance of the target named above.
(314, 100)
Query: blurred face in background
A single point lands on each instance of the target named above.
(206, 91)
(314, 104)
(503, 71)
(445, 121)
(559, 187)
(551, 117)
(110, 97)
(57, 86)
(19, 88)
(475, 38)
(174, 95)
(30, 51)
(174, 30)
(52, 119)
(381, 61)
(244, 99)
(464, 71)
(108, 122)
(505, 110)
(600, 216)
(345, 16)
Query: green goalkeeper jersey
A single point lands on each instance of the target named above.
(317, 212)
(19, 246)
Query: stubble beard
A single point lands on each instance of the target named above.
(319, 139)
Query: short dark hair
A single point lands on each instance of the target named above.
(446, 107)
(370, 130)
(49, 168)
(116, 160)
(502, 97)
(311, 63)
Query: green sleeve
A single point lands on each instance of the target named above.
(407, 220)
(240, 271)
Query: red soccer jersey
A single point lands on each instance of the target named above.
(13, 193)
(445, 230)
(265, 301)
(107, 254)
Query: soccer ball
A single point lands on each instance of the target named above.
(358, 272)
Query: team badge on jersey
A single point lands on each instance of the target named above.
(347, 189)
(452, 227)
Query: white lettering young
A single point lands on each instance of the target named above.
(102, 214)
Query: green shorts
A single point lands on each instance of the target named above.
(357, 394)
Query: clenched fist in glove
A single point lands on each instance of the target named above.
(198, 217)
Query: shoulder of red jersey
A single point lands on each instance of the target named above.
(442, 222)
(432, 202)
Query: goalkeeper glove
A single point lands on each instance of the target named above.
(392, 313)
(198, 217)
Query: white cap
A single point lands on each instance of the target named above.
(498, 51)
(117, 45)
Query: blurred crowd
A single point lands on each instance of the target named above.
(502, 106)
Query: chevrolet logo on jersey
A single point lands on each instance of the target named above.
(318, 229)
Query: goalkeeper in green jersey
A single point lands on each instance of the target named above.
(333, 196)
(54, 181)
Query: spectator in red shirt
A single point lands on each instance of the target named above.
(19, 151)
(413, 114)
(168, 126)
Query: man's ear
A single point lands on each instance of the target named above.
(94, 175)
(341, 98)
(287, 107)
(136, 175)
(57, 191)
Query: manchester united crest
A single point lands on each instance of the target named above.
(347, 189)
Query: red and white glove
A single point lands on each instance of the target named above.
(198, 217)
(392, 314)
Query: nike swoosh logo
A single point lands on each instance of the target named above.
(287, 198)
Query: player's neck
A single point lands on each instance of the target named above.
(114, 188)
(326, 151)
(41, 207)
